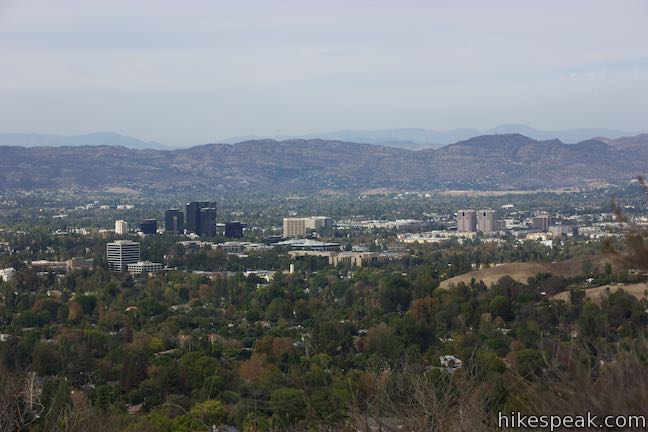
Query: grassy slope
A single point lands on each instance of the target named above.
(521, 271)
(638, 290)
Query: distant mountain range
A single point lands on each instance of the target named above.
(416, 138)
(407, 138)
(92, 139)
(507, 161)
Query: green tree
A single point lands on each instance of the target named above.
(288, 405)
(395, 293)
(501, 306)
(529, 362)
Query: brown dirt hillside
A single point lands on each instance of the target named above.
(521, 271)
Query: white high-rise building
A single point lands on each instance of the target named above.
(120, 253)
(121, 227)
(487, 221)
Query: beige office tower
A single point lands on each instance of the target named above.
(300, 226)
(294, 227)
(487, 221)
(466, 220)
(121, 227)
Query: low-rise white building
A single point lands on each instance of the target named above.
(308, 244)
(435, 236)
(349, 258)
(144, 267)
(240, 247)
(7, 274)
(267, 275)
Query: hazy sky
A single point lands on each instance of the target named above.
(190, 72)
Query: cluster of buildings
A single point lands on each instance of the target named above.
(485, 221)
(199, 218)
(436, 236)
(96, 205)
(234, 247)
(7, 274)
(533, 226)
(399, 224)
(125, 255)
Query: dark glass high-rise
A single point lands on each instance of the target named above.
(194, 218)
(174, 221)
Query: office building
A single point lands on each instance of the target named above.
(148, 226)
(466, 220)
(233, 229)
(144, 267)
(318, 222)
(207, 222)
(193, 217)
(487, 221)
(542, 222)
(120, 253)
(174, 221)
(295, 227)
(121, 227)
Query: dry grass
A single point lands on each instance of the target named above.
(597, 294)
(522, 271)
